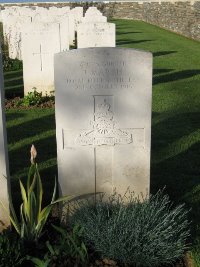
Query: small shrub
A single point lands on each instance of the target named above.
(10, 250)
(35, 98)
(148, 233)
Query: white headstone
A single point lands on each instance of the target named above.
(94, 19)
(78, 15)
(93, 15)
(39, 44)
(15, 37)
(96, 35)
(4, 173)
(92, 11)
(55, 14)
(103, 120)
(71, 28)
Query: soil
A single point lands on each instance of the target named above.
(13, 103)
(185, 262)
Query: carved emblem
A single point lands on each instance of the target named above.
(104, 131)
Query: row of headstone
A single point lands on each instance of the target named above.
(16, 19)
(35, 35)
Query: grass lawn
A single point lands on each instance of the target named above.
(175, 158)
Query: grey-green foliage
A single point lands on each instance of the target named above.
(10, 250)
(147, 233)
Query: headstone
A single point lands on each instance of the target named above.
(54, 14)
(4, 173)
(78, 15)
(103, 120)
(8, 20)
(91, 11)
(93, 15)
(96, 35)
(39, 15)
(39, 44)
(71, 28)
(94, 19)
(15, 37)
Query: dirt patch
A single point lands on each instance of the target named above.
(18, 104)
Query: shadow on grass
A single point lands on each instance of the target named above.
(124, 42)
(158, 71)
(12, 74)
(11, 116)
(179, 75)
(175, 160)
(14, 81)
(163, 53)
(14, 91)
(20, 158)
(13, 84)
(124, 33)
(30, 128)
(172, 128)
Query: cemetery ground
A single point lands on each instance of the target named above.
(175, 156)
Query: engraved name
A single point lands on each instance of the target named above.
(108, 75)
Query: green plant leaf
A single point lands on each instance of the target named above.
(39, 191)
(24, 197)
(30, 174)
(40, 263)
(54, 191)
(62, 231)
(50, 248)
(62, 199)
(13, 220)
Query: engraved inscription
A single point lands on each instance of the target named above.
(104, 130)
(109, 75)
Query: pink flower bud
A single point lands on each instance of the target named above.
(33, 154)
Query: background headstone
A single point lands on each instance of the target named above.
(78, 15)
(93, 15)
(96, 35)
(103, 120)
(15, 36)
(39, 44)
(4, 169)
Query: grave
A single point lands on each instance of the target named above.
(78, 15)
(103, 120)
(43, 40)
(91, 11)
(4, 175)
(96, 35)
(93, 15)
(15, 37)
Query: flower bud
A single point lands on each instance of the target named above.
(33, 154)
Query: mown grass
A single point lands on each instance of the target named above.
(13, 83)
(175, 156)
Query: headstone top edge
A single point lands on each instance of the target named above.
(75, 51)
